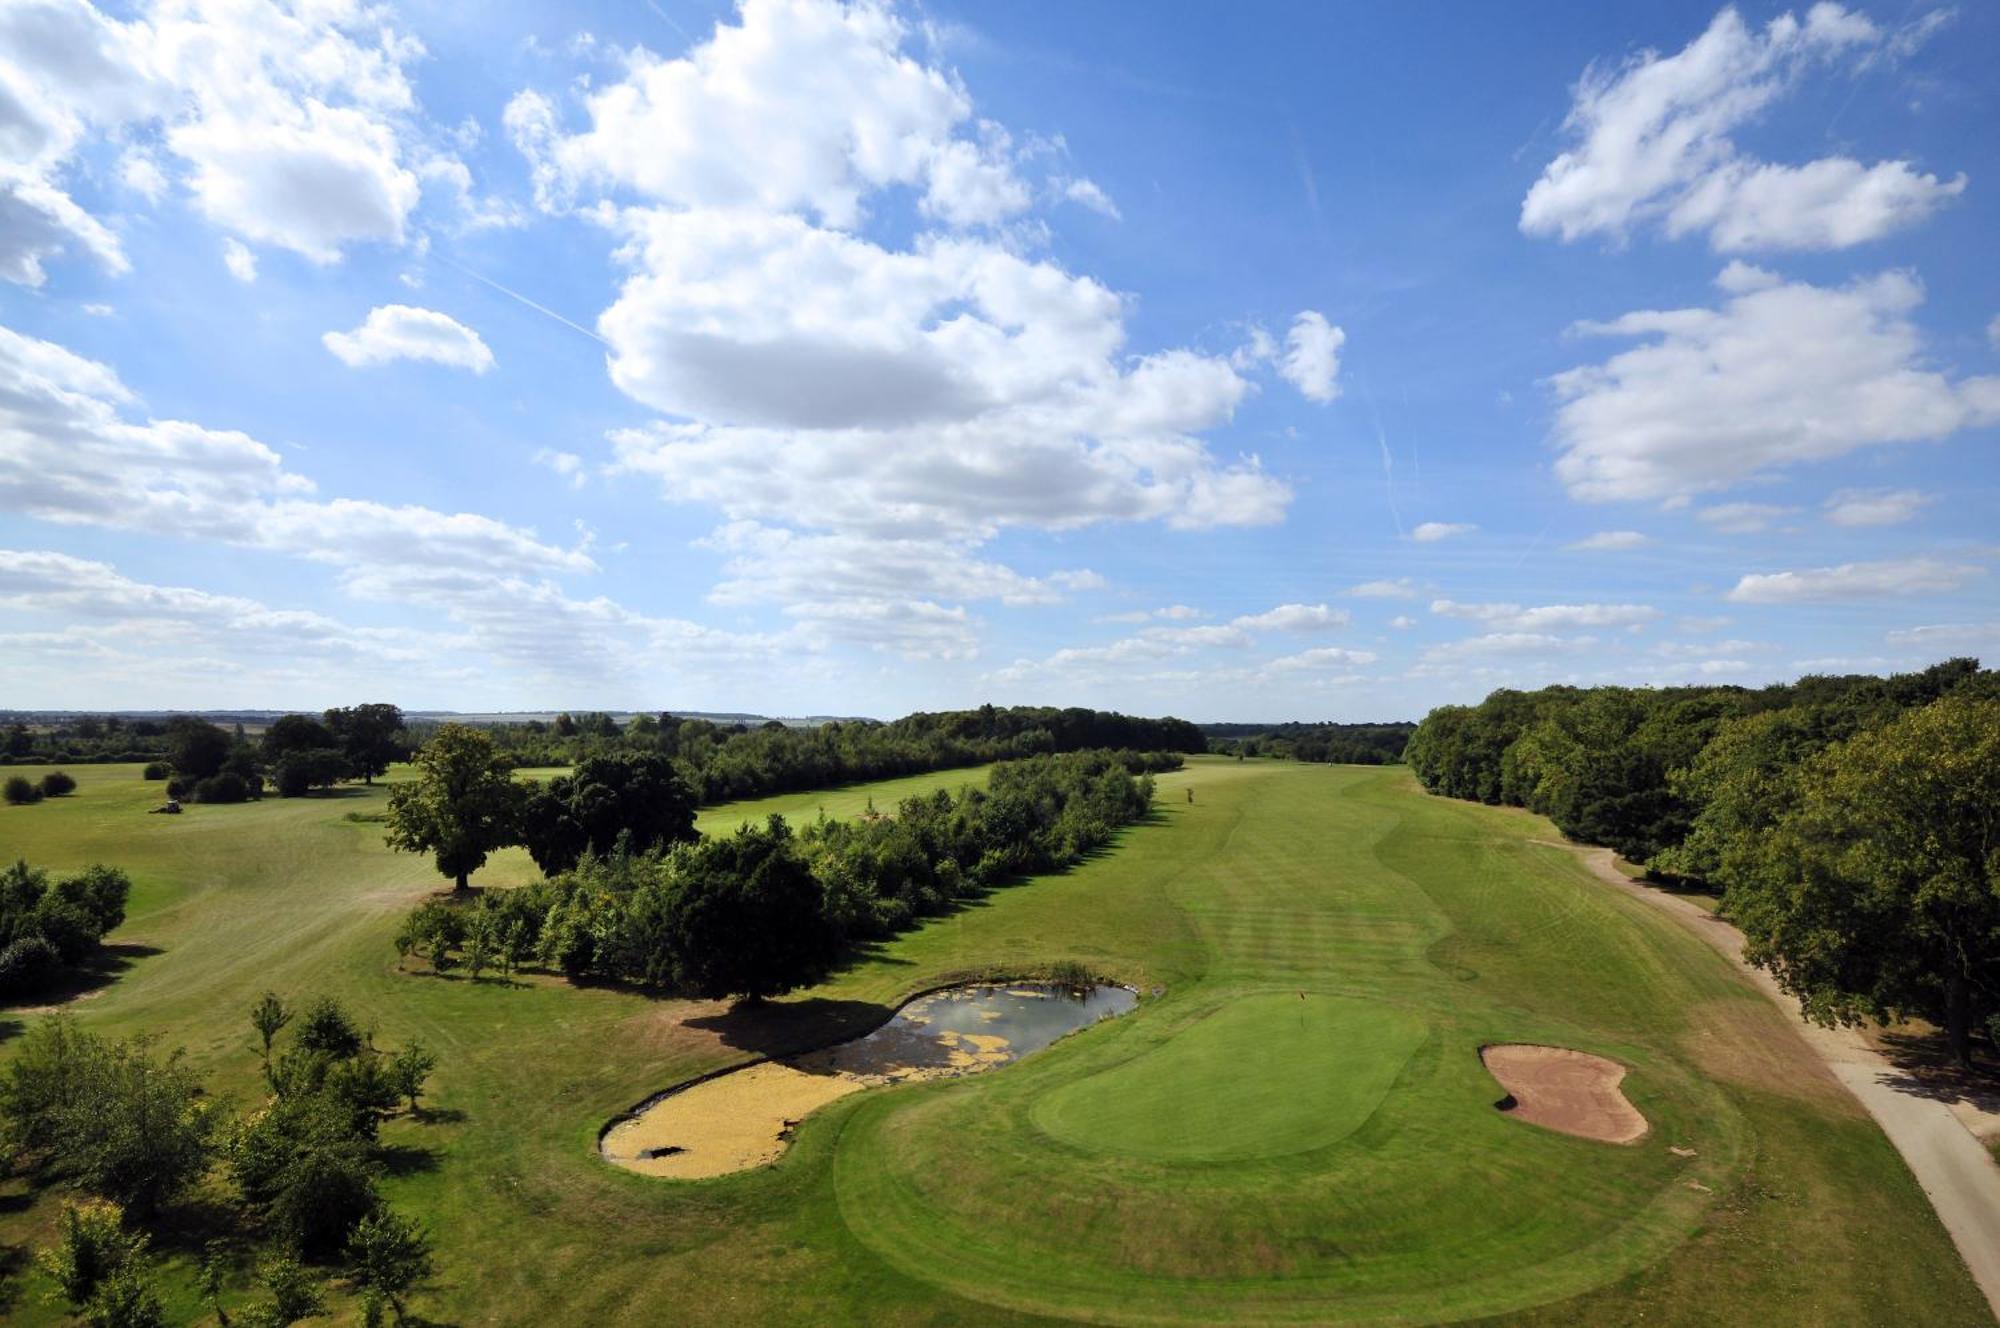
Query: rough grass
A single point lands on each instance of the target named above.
(949, 1203)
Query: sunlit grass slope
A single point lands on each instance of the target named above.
(1228, 1153)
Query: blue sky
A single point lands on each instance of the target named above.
(1280, 362)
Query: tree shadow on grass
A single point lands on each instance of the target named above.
(438, 1116)
(100, 969)
(1925, 1067)
(786, 1028)
(402, 1160)
(13, 1262)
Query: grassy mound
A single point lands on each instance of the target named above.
(1261, 1077)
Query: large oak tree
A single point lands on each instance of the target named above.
(463, 805)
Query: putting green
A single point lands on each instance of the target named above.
(1261, 1077)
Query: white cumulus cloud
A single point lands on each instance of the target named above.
(1651, 145)
(1311, 360)
(1873, 580)
(1293, 618)
(1780, 375)
(1432, 531)
(403, 332)
(1611, 541)
(1874, 507)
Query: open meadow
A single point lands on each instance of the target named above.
(1295, 1125)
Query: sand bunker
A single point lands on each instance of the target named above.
(723, 1124)
(1560, 1089)
(744, 1118)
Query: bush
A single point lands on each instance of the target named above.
(222, 788)
(20, 791)
(28, 965)
(156, 770)
(58, 784)
(180, 787)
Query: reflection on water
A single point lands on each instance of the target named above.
(971, 1027)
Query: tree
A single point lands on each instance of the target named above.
(295, 1293)
(1879, 895)
(637, 795)
(300, 772)
(307, 1168)
(391, 1254)
(268, 1016)
(126, 1299)
(21, 791)
(463, 805)
(367, 736)
(297, 733)
(411, 1067)
(745, 916)
(92, 1244)
(326, 1029)
(123, 1124)
(196, 747)
(58, 784)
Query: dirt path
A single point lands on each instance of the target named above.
(1954, 1168)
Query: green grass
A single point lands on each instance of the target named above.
(845, 801)
(1216, 1156)
(1260, 1077)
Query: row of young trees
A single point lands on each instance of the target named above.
(1337, 744)
(51, 930)
(768, 908)
(295, 1180)
(1851, 825)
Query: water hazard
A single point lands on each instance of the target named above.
(744, 1118)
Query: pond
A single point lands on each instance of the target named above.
(744, 1118)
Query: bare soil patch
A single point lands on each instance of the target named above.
(1561, 1089)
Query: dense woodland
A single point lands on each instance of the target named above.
(771, 907)
(1851, 825)
(1337, 744)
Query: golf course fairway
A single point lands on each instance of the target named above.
(1294, 1125)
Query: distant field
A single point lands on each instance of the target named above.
(839, 803)
(1229, 1153)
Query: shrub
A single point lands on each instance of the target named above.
(180, 786)
(156, 770)
(222, 788)
(58, 784)
(20, 791)
(28, 965)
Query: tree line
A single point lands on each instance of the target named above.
(292, 1185)
(295, 755)
(1850, 825)
(724, 763)
(1337, 744)
(637, 897)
